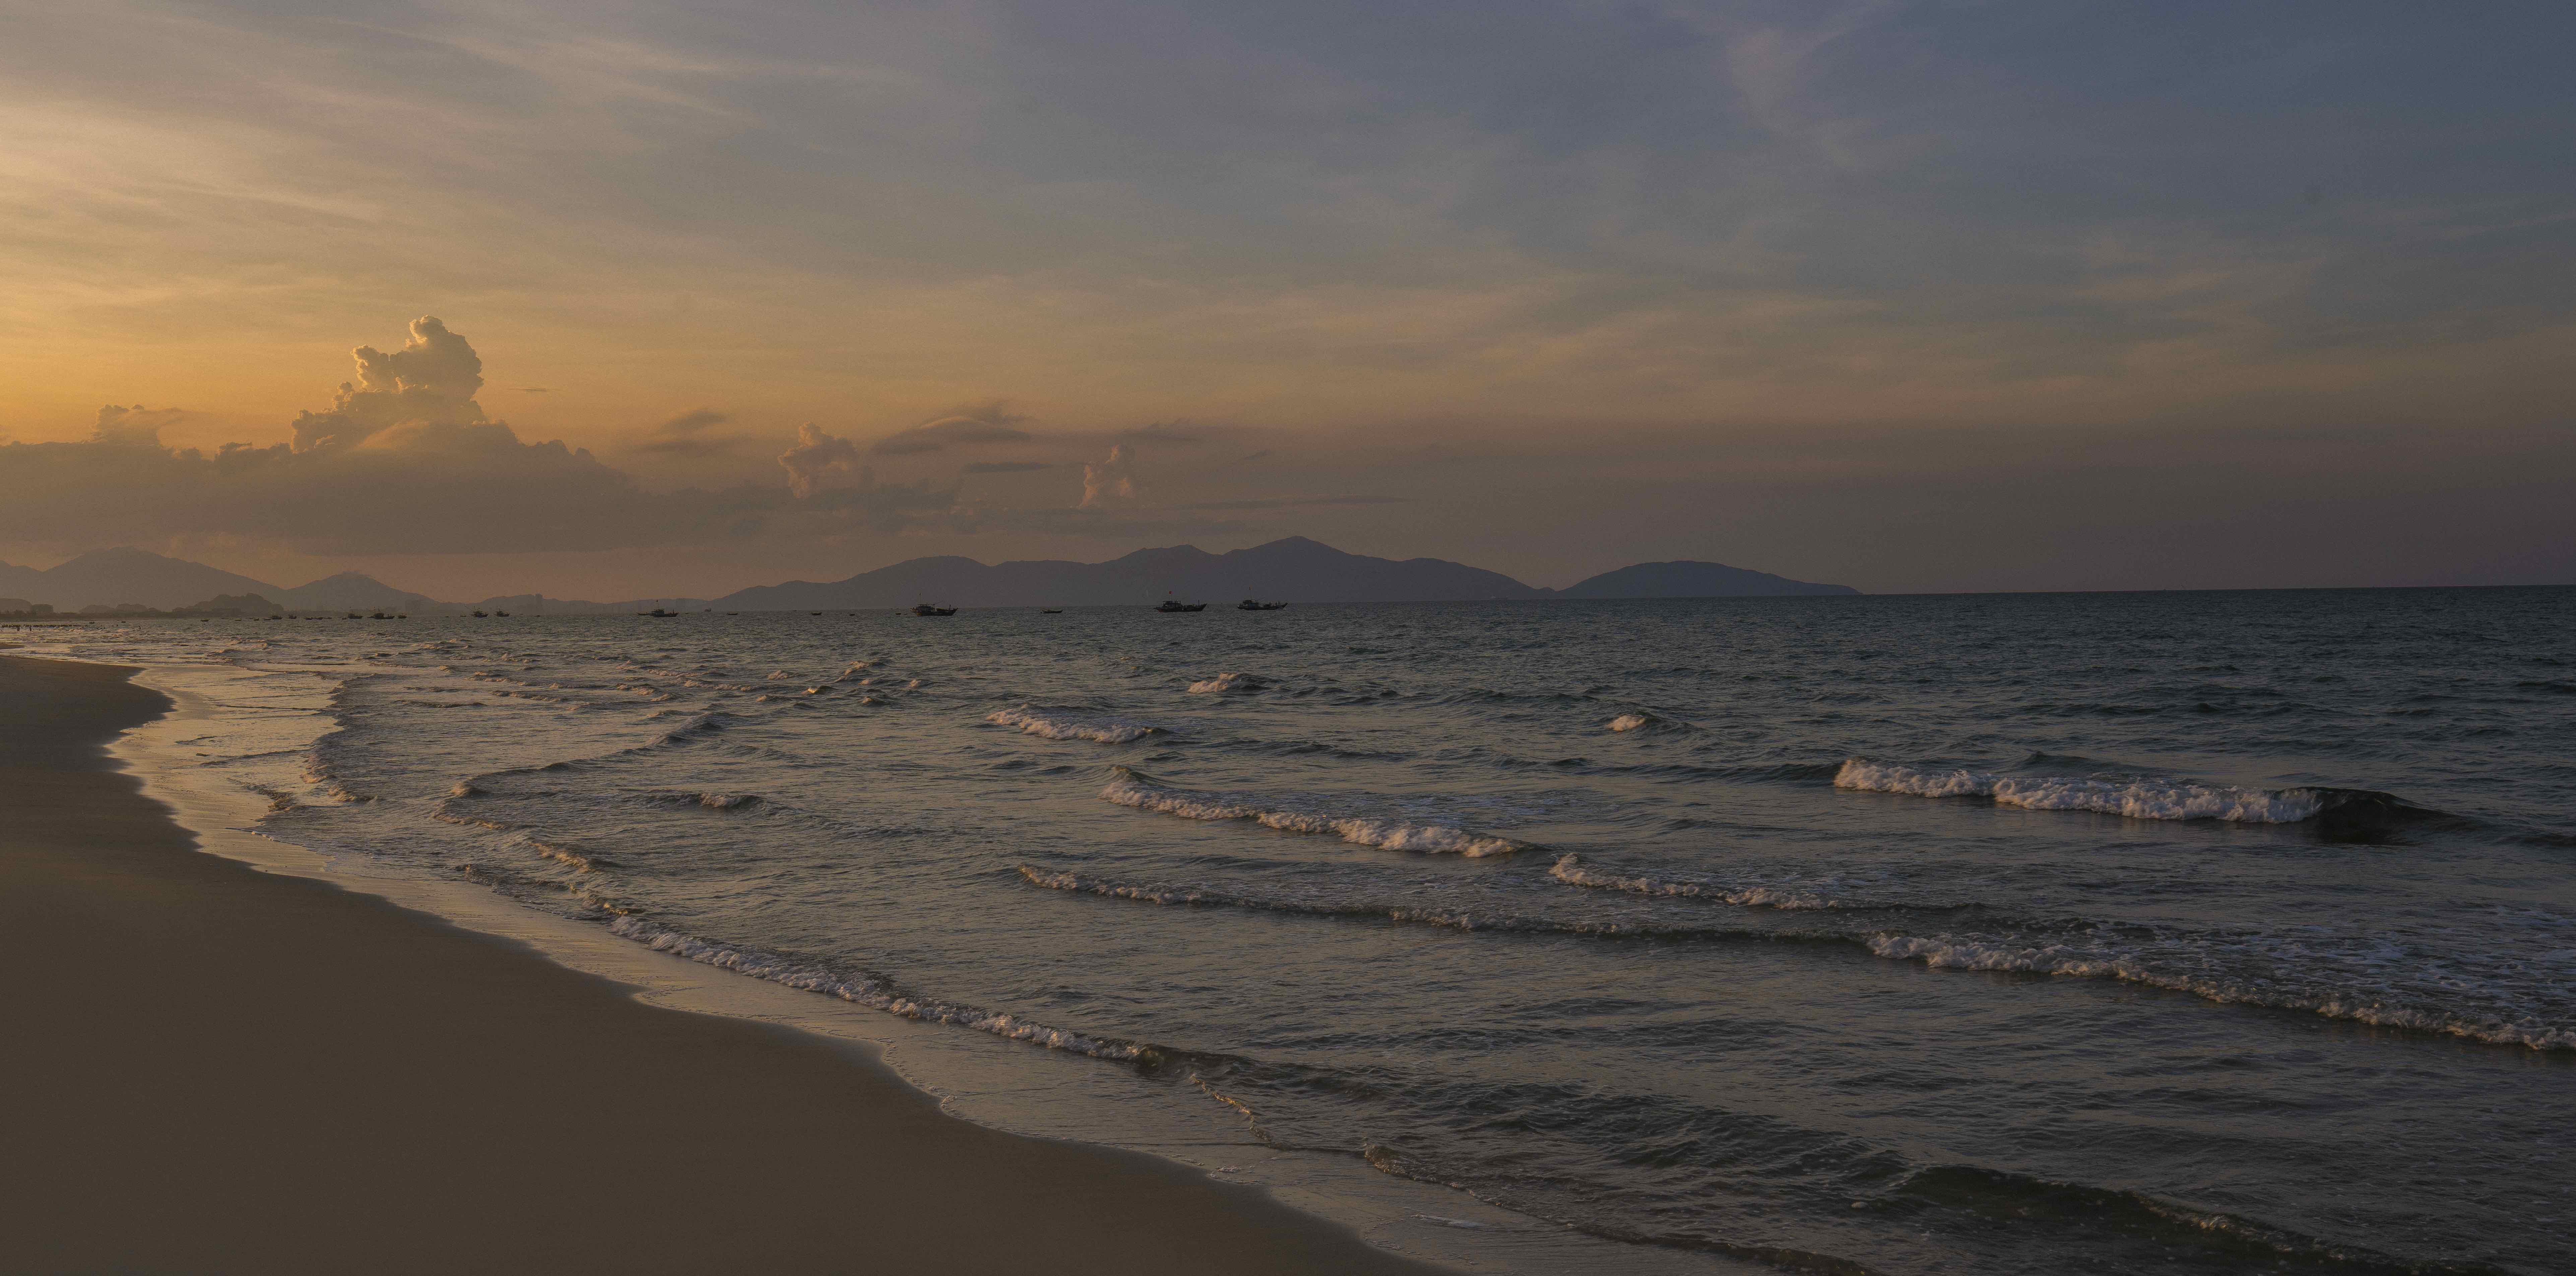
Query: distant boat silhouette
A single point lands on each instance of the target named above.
(500, 613)
(1254, 605)
(480, 615)
(1174, 604)
(658, 611)
(925, 609)
(1051, 611)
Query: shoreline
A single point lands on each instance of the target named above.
(220, 1068)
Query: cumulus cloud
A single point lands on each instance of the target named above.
(404, 461)
(817, 456)
(136, 426)
(1110, 480)
(432, 380)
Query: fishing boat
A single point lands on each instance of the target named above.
(1250, 604)
(480, 615)
(1051, 611)
(925, 609)
(1174, 604)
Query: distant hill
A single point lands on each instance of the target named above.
(1294, 570)
(1694, 580)
(112, 576)
(350, 591)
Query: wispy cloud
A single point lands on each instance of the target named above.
(688, 435)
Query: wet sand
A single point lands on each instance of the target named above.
(207, 1068)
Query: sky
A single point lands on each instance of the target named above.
(640, 298)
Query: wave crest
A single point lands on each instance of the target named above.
(1949, 953)
(2135, 799)
(1060, 724)
(1131, 788)
(1569, 870)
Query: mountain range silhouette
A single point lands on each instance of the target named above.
(1293, 570)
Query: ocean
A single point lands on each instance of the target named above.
(2184, 932)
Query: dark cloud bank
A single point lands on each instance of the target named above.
(406, 462)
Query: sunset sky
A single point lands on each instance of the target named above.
(1906, 296)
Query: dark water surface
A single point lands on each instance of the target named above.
(1998, 934)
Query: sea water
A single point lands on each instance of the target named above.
(2189, 932)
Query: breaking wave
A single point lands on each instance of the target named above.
(1569, 870)
(1133, 788)
(1226, 682)
(2135, 799)
(1063, 724)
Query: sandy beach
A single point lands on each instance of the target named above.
(213, 1069)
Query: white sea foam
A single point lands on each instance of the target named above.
(1225, 682)
(1569, 870)
(2136, 799)
(871, 992)
(1061, 724)
(1131, 789)
(565, 855)
(318, 773)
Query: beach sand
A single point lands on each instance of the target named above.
(207, 1068)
